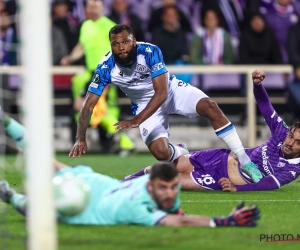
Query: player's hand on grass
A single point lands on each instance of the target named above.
(241, 216)
(128, 124)
(80, 147)
(227, 185)
(258, 76)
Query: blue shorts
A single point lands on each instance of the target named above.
(99, 184)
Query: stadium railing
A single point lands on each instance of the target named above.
(248, 99)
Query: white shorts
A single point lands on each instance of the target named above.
(182, 100)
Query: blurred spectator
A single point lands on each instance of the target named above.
(120, 14)
(213, 46)
(8, 41)
(59, 46)
(230, 14)
(170, 36)
(63, 19)
(156, 16)
(10, 6)
(279, 16)
(293, 47)
(258, 43)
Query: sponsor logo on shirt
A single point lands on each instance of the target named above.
(142, 77)
(94, 85)
(284, 124)
(265, 159)
(157, 67)
(151, 209)
(148, 49)
(131, 81)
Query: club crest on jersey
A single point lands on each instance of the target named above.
(96, 78)
(141, 68)
(145, 132)
(281, 165)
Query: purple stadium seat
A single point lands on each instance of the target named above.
(274, 81)
(220, 81)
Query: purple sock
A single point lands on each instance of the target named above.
(135, 175)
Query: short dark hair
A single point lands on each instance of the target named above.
(164, 171)
(118, 28)
(295, 126)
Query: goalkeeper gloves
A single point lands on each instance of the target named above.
(240, 216)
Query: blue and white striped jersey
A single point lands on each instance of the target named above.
(134, 80)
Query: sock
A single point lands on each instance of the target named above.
(229, 135)
(135, 175)
(19, 202)
(176, 151)
(16, 131)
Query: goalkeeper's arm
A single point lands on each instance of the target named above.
(241, 216)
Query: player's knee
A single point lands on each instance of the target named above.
(161, 154)
(208, 108)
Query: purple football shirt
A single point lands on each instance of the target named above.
(268, 156)
(211, 165)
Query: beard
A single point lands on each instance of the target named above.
(126, 60)
(160, 203)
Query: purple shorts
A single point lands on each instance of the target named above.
(209, 167)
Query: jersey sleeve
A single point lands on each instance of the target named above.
(155, 61)
(144, 214)
(275, 123)
(266, 183)
(100, 79)
(270, 182)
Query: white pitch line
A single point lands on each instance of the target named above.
(240, 200)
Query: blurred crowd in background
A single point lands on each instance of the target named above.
(188, 32)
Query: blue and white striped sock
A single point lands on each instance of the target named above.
(177, 151)
(229, 135)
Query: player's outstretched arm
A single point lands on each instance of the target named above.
(261, 95)
(80, 145)
(241, 216)
(267, 183)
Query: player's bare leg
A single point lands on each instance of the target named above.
(187, 183)
(226, 132)
(163, 150)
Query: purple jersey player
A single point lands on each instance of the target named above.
(218, 169)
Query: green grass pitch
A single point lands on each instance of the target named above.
(280, 214)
